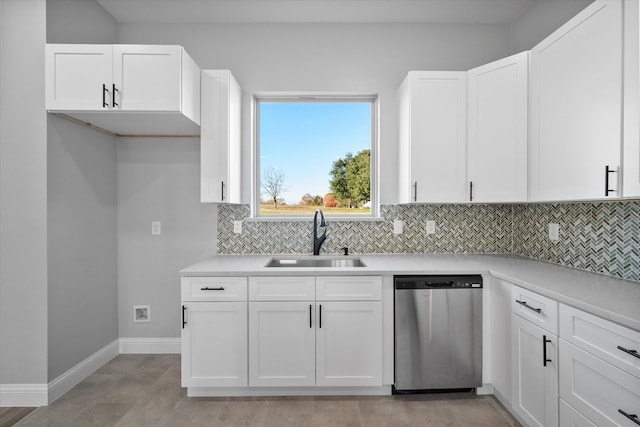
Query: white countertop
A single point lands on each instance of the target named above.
(614, 299)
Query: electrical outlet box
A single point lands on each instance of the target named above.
(554, 231)
(156, 228)
(237, 227)
(398, 226)
(430, 227)
(141, 313)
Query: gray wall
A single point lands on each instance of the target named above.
(23, 194)
(541, 19)
(83, 312)
(82, 166)
(159, 180)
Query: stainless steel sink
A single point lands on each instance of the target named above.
(316, 261)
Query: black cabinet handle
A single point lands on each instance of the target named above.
(113, 98)
(222, 190)
(631, 352)
(184, 322)
(104, 97)
(607, 171)
(212, 289)
(415, 191)
(544, 350)
(310, 324)
(524, 303)
(320, 320)
(632, 417)
(471, 191)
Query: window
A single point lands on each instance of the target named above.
(315, 152)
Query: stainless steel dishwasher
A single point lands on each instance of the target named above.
(438, 332)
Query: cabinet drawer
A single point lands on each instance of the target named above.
(214, 289)
(597, 389)
(569, 417)
(349, 288)
(537, 309)
(282, 288)
(601, 337)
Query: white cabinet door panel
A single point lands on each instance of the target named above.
(148, 78)
(569, 417)
(534, 386)
(349, 344)
(214, 344)
(497, 135)
(500, 336)
(576, 101)
(282, 344)
(75, 77)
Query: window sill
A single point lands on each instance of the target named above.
(309, 219)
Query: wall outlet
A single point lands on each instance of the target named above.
(141, 313)
(398, 226)
(237, 227)
(156, 228)
(430, 227)
(554, 231)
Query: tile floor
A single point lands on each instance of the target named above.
(144, 390)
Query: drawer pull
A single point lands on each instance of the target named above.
(632, 417)
(631, 352)
(212, 289)
(544, 350)
(524, 303)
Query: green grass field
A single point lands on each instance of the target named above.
(267, 209)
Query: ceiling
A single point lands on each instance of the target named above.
(326, 11)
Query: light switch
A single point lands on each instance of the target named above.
(431, 226)
(156, 228)
(398, 225)
(554, 231)
(237, 227)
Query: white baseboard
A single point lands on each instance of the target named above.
(150, 345)
(82, 370)
(23, 395)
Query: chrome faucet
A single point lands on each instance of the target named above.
(318, 241)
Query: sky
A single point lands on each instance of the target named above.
(304, 139)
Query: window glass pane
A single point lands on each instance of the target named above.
(315, 155)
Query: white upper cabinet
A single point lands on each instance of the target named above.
(576, 107)
(98, 84)
(432, 137)
(631, 155)
(497, 134)
(220, 171)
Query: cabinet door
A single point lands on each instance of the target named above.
(349, 344)
(534, 386)
(500, 337)
(220, 177)
(569, 417)
(631, 155)
(214, 344)
(147, 78)
(282, 343)
(497, 157)
(436, 154)
(78, 77)
(576, 102)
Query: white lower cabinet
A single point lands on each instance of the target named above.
(282, 342)
(349, 343)
(534, 373)
(500, 338)
(569, 417)
(214, 344)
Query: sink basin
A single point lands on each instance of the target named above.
(316, 261)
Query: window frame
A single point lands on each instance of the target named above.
(289, 97)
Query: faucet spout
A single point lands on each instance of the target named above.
(318, 241)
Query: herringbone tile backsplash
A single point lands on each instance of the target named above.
(603, 237)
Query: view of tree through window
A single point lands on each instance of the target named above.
(314, 154)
